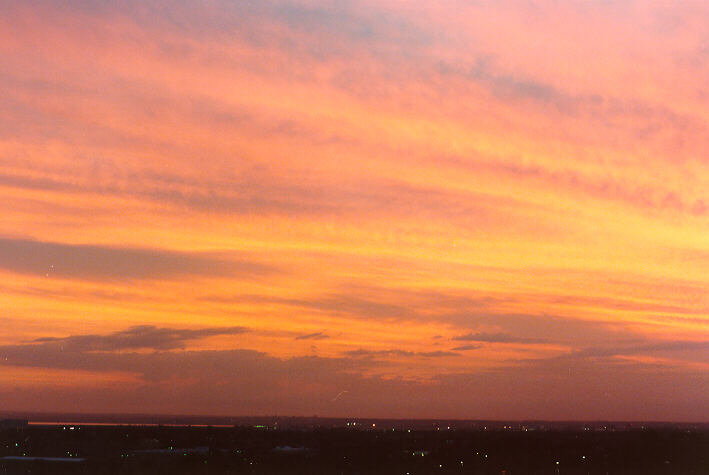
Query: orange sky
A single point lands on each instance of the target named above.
(446, 209)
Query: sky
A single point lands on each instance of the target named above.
(450, 209)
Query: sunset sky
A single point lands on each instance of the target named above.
(470, 209)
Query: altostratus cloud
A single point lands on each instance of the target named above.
(136, 337)
(100, 262)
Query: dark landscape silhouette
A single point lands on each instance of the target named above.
(297, 445)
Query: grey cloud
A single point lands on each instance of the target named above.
(466, 347)
(539, 329)
(339, 303)
(617, 115)
(362, 353)
(226, 382)
(257, 192)
(94, 262)
(380, 31)
(137, 337)
(496, 338)
(264, 194)
(679, 352)
(508, 86)
(344, 23)
(114, 352)
(238, 381)
(675, 346)
(313, 336)
(466, 311)
(353, 305)
(372, 302)
(437, 354)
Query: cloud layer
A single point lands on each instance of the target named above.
(175, 379)
(94, 262)
(451, 201)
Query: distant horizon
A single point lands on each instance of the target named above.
(89, 418)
